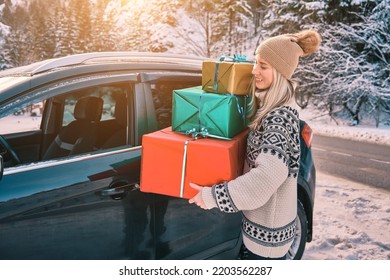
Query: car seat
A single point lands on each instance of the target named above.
(118, 138)
(79, 136)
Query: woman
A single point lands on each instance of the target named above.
(267, 191)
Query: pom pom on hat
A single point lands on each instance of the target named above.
(308, 40)
(283, 51)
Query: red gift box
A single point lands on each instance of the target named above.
(170, 161)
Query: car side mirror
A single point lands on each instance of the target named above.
(1, 167)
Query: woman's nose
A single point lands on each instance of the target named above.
(255, 70)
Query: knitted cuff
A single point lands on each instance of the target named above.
(208, 198)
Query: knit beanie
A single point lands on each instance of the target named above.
(283, 51)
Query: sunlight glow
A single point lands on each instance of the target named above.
(136, 3)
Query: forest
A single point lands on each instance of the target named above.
(349, 77)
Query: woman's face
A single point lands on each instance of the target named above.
(262, 72)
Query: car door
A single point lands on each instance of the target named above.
(84, 206)
(182, 230)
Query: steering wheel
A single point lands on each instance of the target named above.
(15, 158)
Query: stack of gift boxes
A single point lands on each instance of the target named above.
(206, 142)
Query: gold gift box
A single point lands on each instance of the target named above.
(233, 77)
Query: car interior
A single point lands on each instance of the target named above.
(112, 133)
(80, 135)
(78, 122)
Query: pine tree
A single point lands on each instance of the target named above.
(7, 13)
(15, 52)
(233, 20)
(41, 40)
(100, 40)
(289, 16)
(346, 11)
(134, 37)
(159, 24)
(61, 29)
(4, 31)
(80, 24)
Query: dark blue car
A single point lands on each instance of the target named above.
(70, 145)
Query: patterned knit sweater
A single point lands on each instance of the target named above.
(267, 192)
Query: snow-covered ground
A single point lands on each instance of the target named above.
(351, 220)
(322, 124)
(13, 124)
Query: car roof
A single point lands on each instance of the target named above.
(15, 81)
(156, 59)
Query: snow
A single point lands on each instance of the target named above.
(13, 124)
(351, 221)
(4, 31)
(322, 124)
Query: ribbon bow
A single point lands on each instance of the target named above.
(194, 133)
(204, 134)
(235, 58)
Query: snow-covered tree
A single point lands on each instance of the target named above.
(102, 37)
(376, 36)
(235, 24)
(215, 28)
(349, 75)
(133, 28)
(79, 18)
(61, 29)
(41, 37)
(4, 31)
(193, 33)
(15, 50)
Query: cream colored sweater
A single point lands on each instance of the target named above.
(267, 192)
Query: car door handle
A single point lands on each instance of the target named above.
(120, 190)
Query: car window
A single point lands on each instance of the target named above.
(58, 127)
(111, 128)
(26, 119)
(109, 95)
(162, 91)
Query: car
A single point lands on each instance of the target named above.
(69, 178)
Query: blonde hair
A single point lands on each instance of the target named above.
(280, 92)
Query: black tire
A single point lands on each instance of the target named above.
(298, 246)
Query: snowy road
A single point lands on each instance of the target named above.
(358, 161)
(351, 221)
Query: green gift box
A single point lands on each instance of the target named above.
(197, 113)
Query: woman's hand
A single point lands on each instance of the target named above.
(197, 199)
